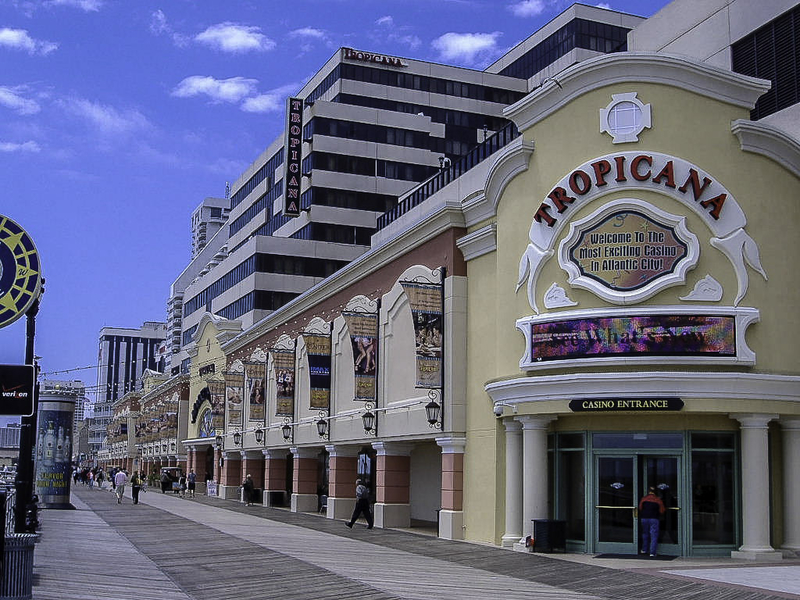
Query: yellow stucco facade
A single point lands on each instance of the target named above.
(739, 262)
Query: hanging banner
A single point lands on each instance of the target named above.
(363, 328)
(234, 390)
(427, 312)
(256, 374)
(217, 390)
(318, 347)
(283, 364)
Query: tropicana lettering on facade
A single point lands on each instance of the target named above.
(618, 170)
(382, 59)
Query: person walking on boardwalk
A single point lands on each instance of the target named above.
(182, 485)
(650, 510)
(120, 479)
(166, 482)
(136, 485)
(247, 490)
(362, 505)
(192, 482)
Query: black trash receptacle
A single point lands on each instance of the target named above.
(18, 566)
(549, 535)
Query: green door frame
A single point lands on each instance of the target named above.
(638, 476)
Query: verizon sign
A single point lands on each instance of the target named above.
(16, 390)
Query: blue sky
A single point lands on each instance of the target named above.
(117, 117)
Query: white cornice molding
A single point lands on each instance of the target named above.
(225, 327)
(768, 141)
(640, 67)
(647, 384)
(509, 162)
(431, 226)
(479, 242)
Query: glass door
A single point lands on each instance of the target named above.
(615, 508)
(620, 482)
(661, 472)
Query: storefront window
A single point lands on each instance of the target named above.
(572, 485)
(572, 493)
(713, 490)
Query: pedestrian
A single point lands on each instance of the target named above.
(120, 479)
(90, 479)
(166, 482)
(100, 478)
(136, 485)
(362, 505)
(192, 482)
(247, 490)
(182, 485)
(650, 510)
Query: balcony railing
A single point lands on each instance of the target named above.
(471, 159)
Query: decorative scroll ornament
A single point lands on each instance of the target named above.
(707, 289)
(556, 297)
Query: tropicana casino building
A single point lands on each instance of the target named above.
(632, 324)
(609, 296)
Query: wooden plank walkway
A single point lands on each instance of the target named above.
(209, 548)
(80, 557)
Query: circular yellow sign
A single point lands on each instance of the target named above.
(20, 272)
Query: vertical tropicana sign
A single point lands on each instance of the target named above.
(293, 150)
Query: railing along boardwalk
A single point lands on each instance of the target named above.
(209, 548)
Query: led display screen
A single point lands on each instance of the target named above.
(654, 335)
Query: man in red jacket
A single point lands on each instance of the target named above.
(650, 510)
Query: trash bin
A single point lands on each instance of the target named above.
(18, 566)
(549, 535)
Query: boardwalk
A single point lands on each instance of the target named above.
(168, 547)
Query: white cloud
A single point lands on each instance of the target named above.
(219, 90)
(19, 39)
(160, 26)
(388, 32)
(528, 8)
(11, 98)
(605, 5)
(230, 37)
(263, 103)
(85, 5)
(466, 48)
(308, 32)
(105, 119)
(28, 146)
(272, 101)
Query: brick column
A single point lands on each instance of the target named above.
(252, 463)
(342, 469)
(199, 466)
(190, 458)
(217, 466)
(393, 480)
(451, 515)
(304, 494)
(231, 475)
(274, 475)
